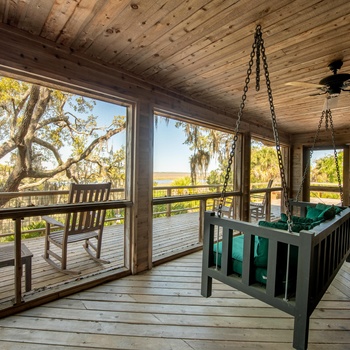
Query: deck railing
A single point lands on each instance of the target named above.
(165, 198)
(18, 214)
(33, 206)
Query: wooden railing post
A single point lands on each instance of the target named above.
(168, 206)
(268, 206)
(202, 209)
(18, 264)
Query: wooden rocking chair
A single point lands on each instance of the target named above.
(258, 209)
(227, 209)
(78, 226)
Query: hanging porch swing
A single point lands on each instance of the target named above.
(283, 263)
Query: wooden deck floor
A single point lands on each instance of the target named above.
(170, 235)
(163, 309)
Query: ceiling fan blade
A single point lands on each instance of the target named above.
(319, 93)
(346, 84)
(306, 85)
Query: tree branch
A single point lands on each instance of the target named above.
(53, 120)
(50, 147)
(32, 184)
(70, 161)
(6, 148)
(28, 115)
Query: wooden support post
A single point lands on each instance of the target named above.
(286, 154)
(141, 242)
(242, 175)
(346, 176)
(306, 184)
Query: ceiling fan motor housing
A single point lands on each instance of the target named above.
(335, 82)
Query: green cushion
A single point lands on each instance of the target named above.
(261, 246)
(283, 225)
(237, 247)
(274, 224)
(313, 213)
(260, 259)
(322, 206)
(296, 219)
(237, 255)
(261, 275)
(262, 250)
(328, 211)
(327, 214)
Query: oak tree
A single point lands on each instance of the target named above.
(45, 132)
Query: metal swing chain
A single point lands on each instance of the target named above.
(323, 115)
(255, 45)
(279, 156)
(276, 136)
(329, 113)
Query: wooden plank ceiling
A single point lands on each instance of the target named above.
(201, 48)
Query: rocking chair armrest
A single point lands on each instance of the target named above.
(52, 221)
(257, 196)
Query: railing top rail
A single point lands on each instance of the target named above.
(322, 188)
(43, 193)
(263, 190)
(18, 213)
(59, 192)
(183, 187)
(193, 197)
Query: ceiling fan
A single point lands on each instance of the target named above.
(332, 84)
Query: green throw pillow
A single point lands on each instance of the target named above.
(275, 224)
(296, 219)
(327, 214)
(262, 249)
(284, 226)
(313, 213)
(323, 207)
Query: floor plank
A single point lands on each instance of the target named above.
(163, 309)
(171, 235)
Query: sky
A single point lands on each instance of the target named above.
(317, 154)
(170, 154)
(106, 111)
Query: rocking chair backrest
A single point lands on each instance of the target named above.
(269, 185)
(91, 220)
